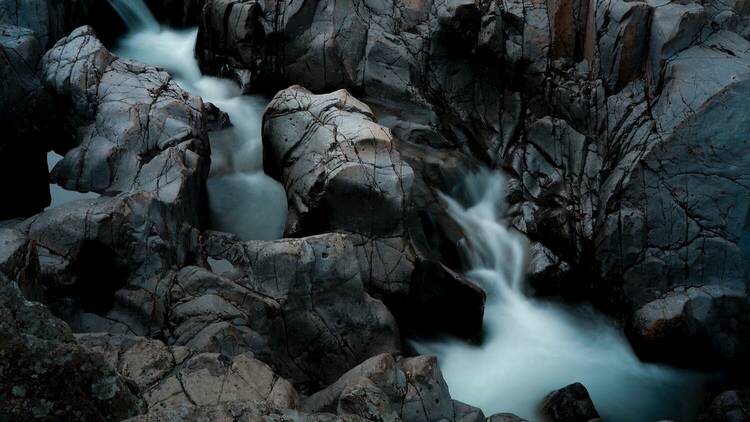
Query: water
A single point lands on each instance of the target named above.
(533, 347)
(242, 198)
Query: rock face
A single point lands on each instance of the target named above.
(571, 403)
(619, 123)
(47, 375)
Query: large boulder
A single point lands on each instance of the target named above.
(47, 376)
(134, 128)
(340, 167)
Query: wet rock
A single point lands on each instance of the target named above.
(46, 375)
(177, 13)
(571, 403)
(386, 388)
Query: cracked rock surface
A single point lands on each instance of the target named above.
(620, 123)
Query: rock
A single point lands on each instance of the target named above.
(136, 129)
(175, 378)
(46, 375)
(335, 162)
(505, 417)
(297, 304)
(710, 320)
(385, 388)
(571, 403)
(729, 406)
(24, 111)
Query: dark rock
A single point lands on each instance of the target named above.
(729, 406)
(47, 376)
(569, 404)
(24, 111)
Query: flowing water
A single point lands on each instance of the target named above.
(532, 347)
(242, 198)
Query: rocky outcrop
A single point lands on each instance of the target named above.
(342, 172)
(298, 305)
(571, 403)
(387, 388)
(47, 375)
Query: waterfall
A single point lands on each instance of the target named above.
(532, 347)
(242, 199)
(136, 15)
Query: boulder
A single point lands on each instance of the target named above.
(135, 129)
(47, 376)
(387, 388)
(569, 404)
(340, 168)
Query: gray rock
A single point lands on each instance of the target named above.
(135, 128)
(174, 378)
(569, 404)
(339, 167)
(387, 388)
